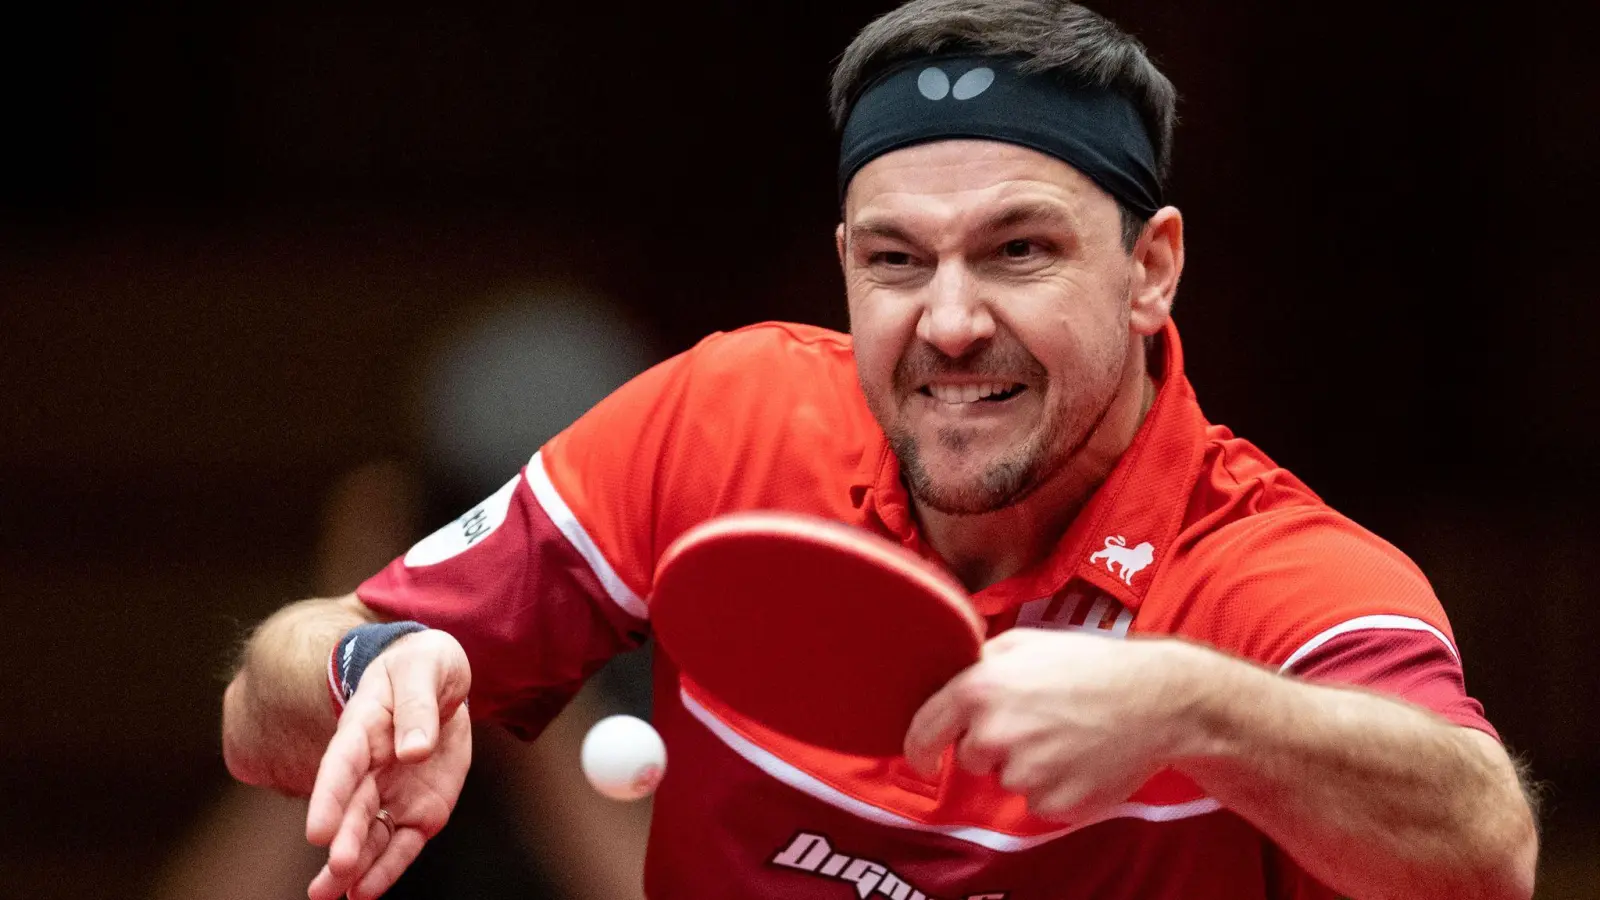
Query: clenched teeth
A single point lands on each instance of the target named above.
(969, 393)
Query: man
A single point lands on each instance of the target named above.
(1011, 404)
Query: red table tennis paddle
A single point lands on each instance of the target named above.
(824, 632)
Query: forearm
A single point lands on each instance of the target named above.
(1372, 796)
(276, 718)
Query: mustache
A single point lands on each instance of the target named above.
(1007, 361)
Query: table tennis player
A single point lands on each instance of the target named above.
(1199, 680)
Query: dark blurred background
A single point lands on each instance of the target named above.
(234, 244)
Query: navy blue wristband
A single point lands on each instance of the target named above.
(356, 650)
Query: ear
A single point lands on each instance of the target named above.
(838, 243)
(1157, 265)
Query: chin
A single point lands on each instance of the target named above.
(966, 487)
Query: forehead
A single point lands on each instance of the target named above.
(955, 177)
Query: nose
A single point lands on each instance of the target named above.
(955, 318)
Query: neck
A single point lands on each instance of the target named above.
(984, 549)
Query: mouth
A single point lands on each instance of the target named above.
(992, 392)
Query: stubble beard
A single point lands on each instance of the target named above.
(1015, 475)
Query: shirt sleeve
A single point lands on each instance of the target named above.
(1314, 595)
(531, 613)
(1412, 663)
(549, 578)
(544, 582)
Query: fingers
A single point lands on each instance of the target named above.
(359, 745)
(1071, 799)
(1007, 640)
(355, 832)
(415, 680)
(980, 753)
(334, 880)
(323, 887)
(937, 725)
(393, 714)
(401, 852)
(393, 717)
(954, 710)
(958, 713)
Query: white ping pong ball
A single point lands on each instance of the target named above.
(623, 757)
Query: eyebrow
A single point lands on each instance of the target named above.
(880, 228)
(1025, 213)
(1030, 213)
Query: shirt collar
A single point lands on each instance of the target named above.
(1124, 533)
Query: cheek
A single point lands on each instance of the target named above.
(881, 330)
(1070, 327)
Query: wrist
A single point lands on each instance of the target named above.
(1210, 695)
(355, 651)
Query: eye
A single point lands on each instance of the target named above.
(1021, 248)
(892, 258)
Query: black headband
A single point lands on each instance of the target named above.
(935, 98)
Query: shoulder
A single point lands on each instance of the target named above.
(774, 349)
(764, 417)
(768, 416)
(1246, 512)
(772, 389)
(772, 336)
(1303, 539)
(742, 379)
(1266, 565)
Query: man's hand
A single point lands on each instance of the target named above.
(1074, 723)
(1372, 796)
(403, 745)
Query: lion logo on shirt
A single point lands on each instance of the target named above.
(1131, 560)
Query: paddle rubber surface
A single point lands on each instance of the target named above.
(824, 632)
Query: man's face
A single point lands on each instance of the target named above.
(989, 302)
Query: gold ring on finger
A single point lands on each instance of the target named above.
(387, 820)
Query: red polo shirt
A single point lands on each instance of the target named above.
(1196, 533)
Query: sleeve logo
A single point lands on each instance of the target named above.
(465, 532)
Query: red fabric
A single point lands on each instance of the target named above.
(1415, 665)
(719, 823)
(529, 612)
(786, 618)
(1196, 534)
(335, 696)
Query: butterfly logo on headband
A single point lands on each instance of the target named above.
(935, 84)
